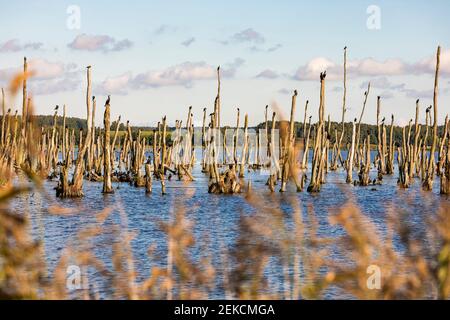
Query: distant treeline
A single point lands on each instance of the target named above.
(77, 124)
(365, 130)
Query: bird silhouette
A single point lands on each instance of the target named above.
(108, 100)
(56, 108)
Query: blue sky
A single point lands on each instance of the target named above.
(156, 58)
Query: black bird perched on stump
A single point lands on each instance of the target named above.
(108, 100)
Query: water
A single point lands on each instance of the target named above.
(215, 217)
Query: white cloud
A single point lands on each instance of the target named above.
(256, 48)
(44, 69)
(14, 45)
(99, 43)
(275, 47)
(382, 83)
(370, 67)
(115, 85)
(314, 67)
(285, 91)
(188, 42)
(248, 35)
(47, 77)
(269, 74)
(428, 64)
(68, 82)
(164, 29)
(40, 69)
(232, 67)
(183, 74)
(386, 94)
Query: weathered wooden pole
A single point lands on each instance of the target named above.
(88, 120)
(163, 157)
(266, 130)
(390, 162)
(364, 178)
(113, 143)
(204, 140)
(414, 158)
(107, 184)
(75, 188)
(148, 179)
(423, 158)
(445, 174)
(218, 99)
(92, 142)
(273, 160)
(358, 132)
(428, 183)
(304, 121)
(63, 151)
(306, 146)
(441, 155)
(381, 167)
(349, 178)
(236, 138)
(3, 133)
(288, 148)
(320, 143)
(341, 137)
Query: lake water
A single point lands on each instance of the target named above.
(215, 217)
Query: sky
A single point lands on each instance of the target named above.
(157, 58)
